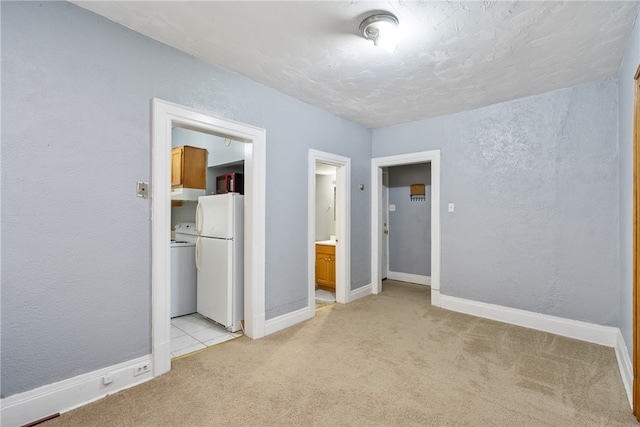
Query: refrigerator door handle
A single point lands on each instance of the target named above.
(198, 219)
(198, 253)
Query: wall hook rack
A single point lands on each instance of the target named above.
(417, 192)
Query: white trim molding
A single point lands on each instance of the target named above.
(411, 278)
(377, 163)
(360, 292)
(286, 320)
(590, 332)
(625, 366)
(343, 224)
(166, 115)
(63, 396)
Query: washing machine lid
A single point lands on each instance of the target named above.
(186, 232)
(181, 244)
(186, 228)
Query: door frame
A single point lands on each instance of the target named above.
(636, 246)
(164, 116)
(384, 268)
(343, 225)
(377, 163)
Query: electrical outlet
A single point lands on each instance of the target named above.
(141, 369)
(143, 190)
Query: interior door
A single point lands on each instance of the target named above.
(385, 223)
(636, 247)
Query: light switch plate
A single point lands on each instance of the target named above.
(143, 190)
(451, 207)
(392, 208)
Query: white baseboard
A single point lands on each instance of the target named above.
(625, 366)
(590, 332)
(436, 300)
(286, 320)
(411, 278)
(361, 292)
(63, 396)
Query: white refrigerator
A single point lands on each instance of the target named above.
(220, 259)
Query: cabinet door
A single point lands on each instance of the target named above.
(326, 267)
(177, 154)
(322, 269)
(194, 167)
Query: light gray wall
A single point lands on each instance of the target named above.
(626, 89)
(535, 185)
(410, 223)
(325, 219)
(76, 91)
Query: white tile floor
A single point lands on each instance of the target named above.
(194, 332)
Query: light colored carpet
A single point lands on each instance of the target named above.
(390, 359)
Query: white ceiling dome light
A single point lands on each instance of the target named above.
(382, 29)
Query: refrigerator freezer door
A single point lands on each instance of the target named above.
(215, 280)
(214, 216)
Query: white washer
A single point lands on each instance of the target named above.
(183, 270)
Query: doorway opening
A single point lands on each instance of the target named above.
(379, 204)
(406, 227)
(325, 238)
(199, 162)
(328, 228)
(165, 117)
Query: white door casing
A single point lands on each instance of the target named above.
(343, 224)
(384, 271)
(433, 157)
(166, 115)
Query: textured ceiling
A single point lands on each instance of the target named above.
(452, 56)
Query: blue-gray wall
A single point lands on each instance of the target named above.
(535, 187)
(76, 91)
(410, 223)
(626, 87)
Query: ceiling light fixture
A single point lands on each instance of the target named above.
(382, 29)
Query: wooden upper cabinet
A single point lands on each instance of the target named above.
(188, 167)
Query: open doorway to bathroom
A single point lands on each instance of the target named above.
(328, 229)
(325, 236)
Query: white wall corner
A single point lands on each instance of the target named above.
(411, 278)
(625, 366)
(361, 292)
(65, 395)
(286, 320)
